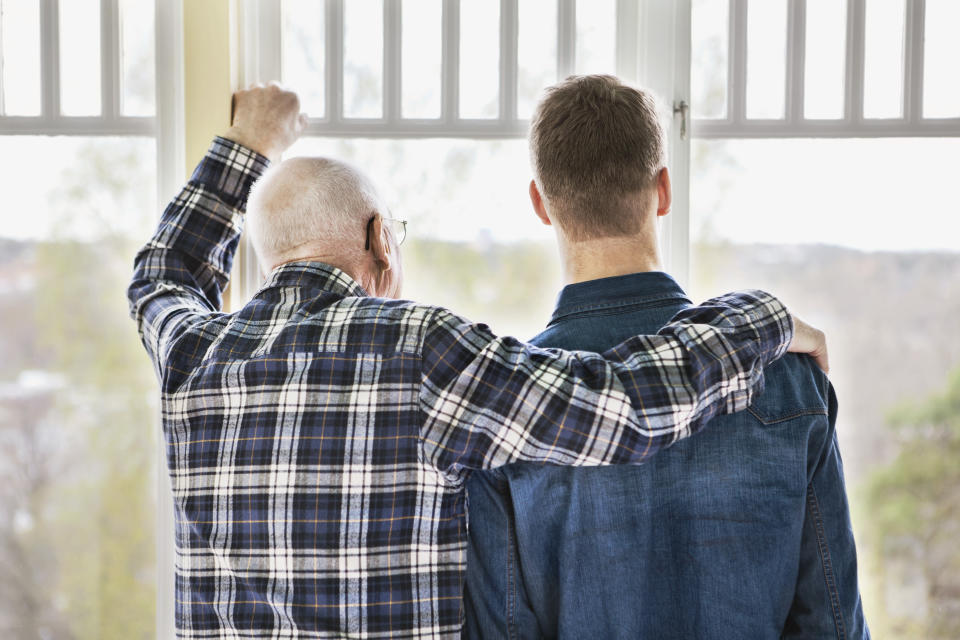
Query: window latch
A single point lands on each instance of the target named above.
(683, 109)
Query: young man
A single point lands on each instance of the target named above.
(740, 532)
(318, 438)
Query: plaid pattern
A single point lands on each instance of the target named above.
(318, 439)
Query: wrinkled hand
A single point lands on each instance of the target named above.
(266, 119)
(809, 340)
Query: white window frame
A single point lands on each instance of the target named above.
(51, 121)
(853, 124)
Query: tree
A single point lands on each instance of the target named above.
(913, 509)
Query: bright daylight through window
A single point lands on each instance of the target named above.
(78, 409)
(863, 237)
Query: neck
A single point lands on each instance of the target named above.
(351, 265)
(607, 257)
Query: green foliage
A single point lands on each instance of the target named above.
(912, 507)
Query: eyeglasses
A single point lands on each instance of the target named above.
(398, 227)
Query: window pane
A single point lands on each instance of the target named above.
(710, 35)
(303, 53)
(941, 91)
(479, 59)
(471, 227)
(422, 50)
(596, 48)
(80, 57)
(825, 59)
(363, 59)
(883, 59)
(536, 52)
(766, 58)
(20, 24)
(839, 249)
(137, 58)
(78, 397)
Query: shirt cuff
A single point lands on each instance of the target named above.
(772, 322)
(229, 169)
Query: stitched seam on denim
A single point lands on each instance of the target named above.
(790, 416)
(629, 304)
(511, 603)
(829, 580)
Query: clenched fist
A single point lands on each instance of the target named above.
(266, 119)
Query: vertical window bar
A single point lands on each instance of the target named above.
(913, 64)
(50, 59)
(796, 59)
(392, 67)
(566, 38)
(334, 69)
(2, 99)
(509, 19)
(450, 83)
(628, 26)
(109, 59)
(853, 81)
(267, 61)
(737, 73)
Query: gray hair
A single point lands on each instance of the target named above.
(309, 204)
(595, 143)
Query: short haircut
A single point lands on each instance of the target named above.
(306, 203)
(595, 142)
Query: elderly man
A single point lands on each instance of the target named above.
(318, 439)
(740, 532)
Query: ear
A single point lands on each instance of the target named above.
(380, 245)
(664, 192)
(537, 201)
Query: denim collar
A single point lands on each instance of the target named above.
(316, 276)
(645, 288)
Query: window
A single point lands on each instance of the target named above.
(861, 236)
(78, 406)
(825, 68)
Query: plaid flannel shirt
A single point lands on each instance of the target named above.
(318, 439)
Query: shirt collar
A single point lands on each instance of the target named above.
(647, 286)
(319, 276)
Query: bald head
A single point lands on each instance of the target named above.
(309, 206)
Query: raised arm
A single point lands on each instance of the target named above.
(489, 401)
(180, 274)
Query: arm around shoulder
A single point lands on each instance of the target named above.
(489, 401)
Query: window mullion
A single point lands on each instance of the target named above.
(392, 63)
(2, 99)
(450, 63)
(737, 73)
(509, 19)
(566, 38)
(628, 26)
(796, 56)
(109, 59)
(334, 69)
(50, 59)
(853, 70)
(913, 62)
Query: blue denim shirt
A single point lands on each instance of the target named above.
(742, 531)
